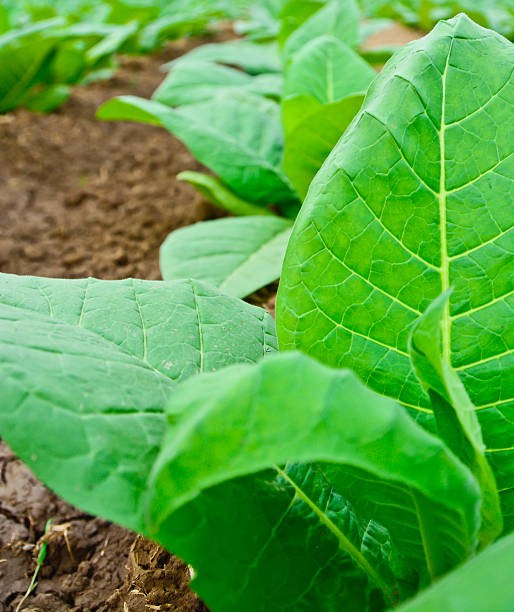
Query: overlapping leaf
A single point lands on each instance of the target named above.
(456, 417)
(484, 583)
(335, 18)
(87, 367)
(324, 84)
(221, 501)
(417, 197)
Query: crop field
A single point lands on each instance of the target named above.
(256, 305)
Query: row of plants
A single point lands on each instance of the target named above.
(369, 464)
(262, 117)
(46, 46)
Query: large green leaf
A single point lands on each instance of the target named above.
(252, 57)
(415, 198)
(199, 80)
(238, 255)
(238, 136)
(221, 501)
(87, 367)
(484, 583)
(456, 417)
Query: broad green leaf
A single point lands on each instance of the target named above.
(238, 136)
(220, 195)
(415, 198)
(221, 501)
(87, 367)
(336, 18)
(254, 58)
(327, 70)
(309, 143)
(194, 81)
(484, 583)
(237, 255)
(457, 421)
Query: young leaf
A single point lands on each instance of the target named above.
(327, 70)
(457, 421)
(237, 255)
(218, 492)
(414, 198)
(294, 13)
(199, 80)
(86, 369)
(220, 195)
(484, 583)
(252, 57)
(336, 18)
(309, 143)
(227, 134)
(324, 72)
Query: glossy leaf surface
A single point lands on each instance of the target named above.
(415, 198)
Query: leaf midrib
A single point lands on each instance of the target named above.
(445, 262)
(344, 542)
(249, 257)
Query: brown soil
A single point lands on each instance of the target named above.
(81, 197)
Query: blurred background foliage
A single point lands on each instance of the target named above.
(48, 45)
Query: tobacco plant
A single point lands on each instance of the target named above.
(46, 46)
(223, 102)
(288, 481)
